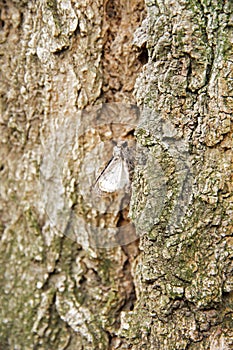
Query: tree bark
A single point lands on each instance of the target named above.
(154, 272)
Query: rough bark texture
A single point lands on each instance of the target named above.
(176, 291)
(183, 277)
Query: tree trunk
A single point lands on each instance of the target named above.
(152, 268)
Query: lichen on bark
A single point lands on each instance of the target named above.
(182, 274)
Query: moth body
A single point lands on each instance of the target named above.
(115, 176)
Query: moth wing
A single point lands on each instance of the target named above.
(110, 180)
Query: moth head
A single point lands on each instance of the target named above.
(118, 148)
(117, 151)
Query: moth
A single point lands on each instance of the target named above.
(117, 173)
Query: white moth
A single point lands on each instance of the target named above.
(115, 175)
